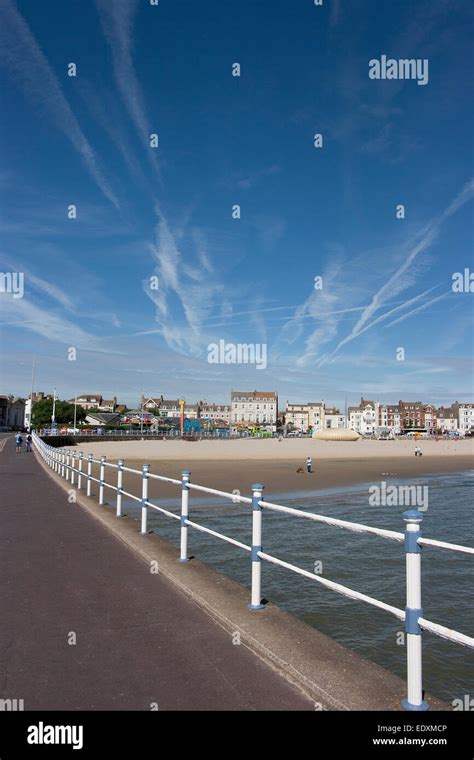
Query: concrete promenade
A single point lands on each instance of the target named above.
(74, 572)
(138, 641)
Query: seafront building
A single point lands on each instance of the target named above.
(304, 417)
(94, 401)
(430, 418)
(466, 417)
(192, 411)
(412, 415)
(99, 419)
(313, 416)
(254, 408)
(363, 418)
(214, 412)
(260, 408)
(333, 419)
(12, 412)
(447, 419)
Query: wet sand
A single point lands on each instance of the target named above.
(280, 476)
(237, 464)
(272, 449)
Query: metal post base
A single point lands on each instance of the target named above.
(256, 606)
(183, 561)
(421, 708)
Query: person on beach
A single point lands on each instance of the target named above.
(29, 441)
(18, 443)
(309, 465)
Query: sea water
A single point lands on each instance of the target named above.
(366, 563)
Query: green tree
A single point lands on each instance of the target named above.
(64, 413)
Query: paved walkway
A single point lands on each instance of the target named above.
(138, 642)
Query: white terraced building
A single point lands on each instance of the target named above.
(333, 419)
(215, 411)
(466, 417)
(254, 407)
(169, 408)
(363, 418)
(447, 418)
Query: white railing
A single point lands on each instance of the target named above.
(63, 462)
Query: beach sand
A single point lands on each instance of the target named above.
(237, 464)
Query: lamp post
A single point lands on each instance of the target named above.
(30, 416)
(53, 417)
(75, 412)
(31, 392)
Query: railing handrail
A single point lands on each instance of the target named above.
(64, 464)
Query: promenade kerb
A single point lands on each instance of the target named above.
(412, 616)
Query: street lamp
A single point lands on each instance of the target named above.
(53, 418)
(30, 415)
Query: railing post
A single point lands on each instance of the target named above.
(185, 477)
(145, 476)
(119, 487)
(89, 475)
(67, 464)
(256, 602)
(73, 470)
(79, 474)
(102, 480)
(413, 611)
(63, 461)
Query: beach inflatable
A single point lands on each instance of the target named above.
(336, 434)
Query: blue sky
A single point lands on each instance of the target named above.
(225, 140)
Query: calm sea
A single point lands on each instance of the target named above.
(368, 564)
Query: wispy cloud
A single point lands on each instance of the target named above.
(117, 20)
(44, 322)
(188, 287)
(102, 110)
(21, 54)
(320, 307)
(23, 312)
(419, 308)
(401, 279)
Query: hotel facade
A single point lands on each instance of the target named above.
(254, 408)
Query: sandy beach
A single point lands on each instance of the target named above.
(232, 464)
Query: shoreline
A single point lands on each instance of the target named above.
(283, 478)
(334, 466)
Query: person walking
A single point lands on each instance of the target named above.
(309, 464)
(29, 441)
(18, 443)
